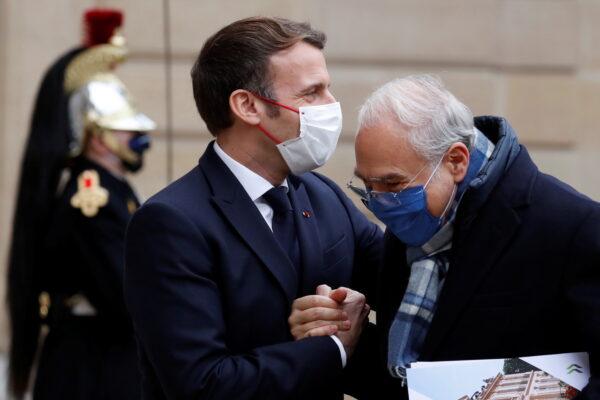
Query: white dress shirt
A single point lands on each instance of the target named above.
(256, 186)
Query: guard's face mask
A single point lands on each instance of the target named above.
(131, 153)
(138, 145)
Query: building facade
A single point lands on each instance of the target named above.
(532, 385)
(535, 62)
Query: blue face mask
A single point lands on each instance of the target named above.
(405, 213)
(138, 144)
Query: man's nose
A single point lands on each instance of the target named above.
(328, 97)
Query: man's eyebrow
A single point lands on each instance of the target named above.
(384, 178)
(314, 87)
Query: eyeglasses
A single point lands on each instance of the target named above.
(366, 195)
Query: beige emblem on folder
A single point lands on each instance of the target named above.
(90, 196)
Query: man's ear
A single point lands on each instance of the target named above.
(244, 106)
(458, 157)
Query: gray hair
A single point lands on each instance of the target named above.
(434, 117)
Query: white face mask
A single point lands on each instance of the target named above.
(320, 128)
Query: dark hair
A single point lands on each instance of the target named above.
(237, 57)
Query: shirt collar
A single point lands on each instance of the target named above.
(255, 185)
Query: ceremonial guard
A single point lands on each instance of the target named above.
(74, 203)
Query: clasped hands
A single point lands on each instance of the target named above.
(341, 312)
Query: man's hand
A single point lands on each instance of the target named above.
(319, 315)
(341, 311)
(358, 310)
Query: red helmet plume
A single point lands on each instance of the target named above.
(100, 25)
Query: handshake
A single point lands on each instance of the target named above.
(341, 312)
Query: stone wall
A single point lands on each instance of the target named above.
(537, 62)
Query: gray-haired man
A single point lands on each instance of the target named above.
(485, 256)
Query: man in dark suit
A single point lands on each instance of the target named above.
(485, 256)
(215, 260)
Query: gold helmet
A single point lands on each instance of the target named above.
(68, 107)
(99, 103)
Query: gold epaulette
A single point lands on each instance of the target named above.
(90, 196)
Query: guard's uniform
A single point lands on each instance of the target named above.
(67, 252)
(89, 352)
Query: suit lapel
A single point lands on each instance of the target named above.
(308, 237)
(246, 220)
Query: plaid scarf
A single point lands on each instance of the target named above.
(428, 268)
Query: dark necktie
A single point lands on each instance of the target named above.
(284, 228)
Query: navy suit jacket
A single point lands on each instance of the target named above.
(210, 290)
(524, 275)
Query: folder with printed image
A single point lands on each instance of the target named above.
(548, 377)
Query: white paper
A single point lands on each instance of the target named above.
(571, 368)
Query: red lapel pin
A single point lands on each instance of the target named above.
(306, 214)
